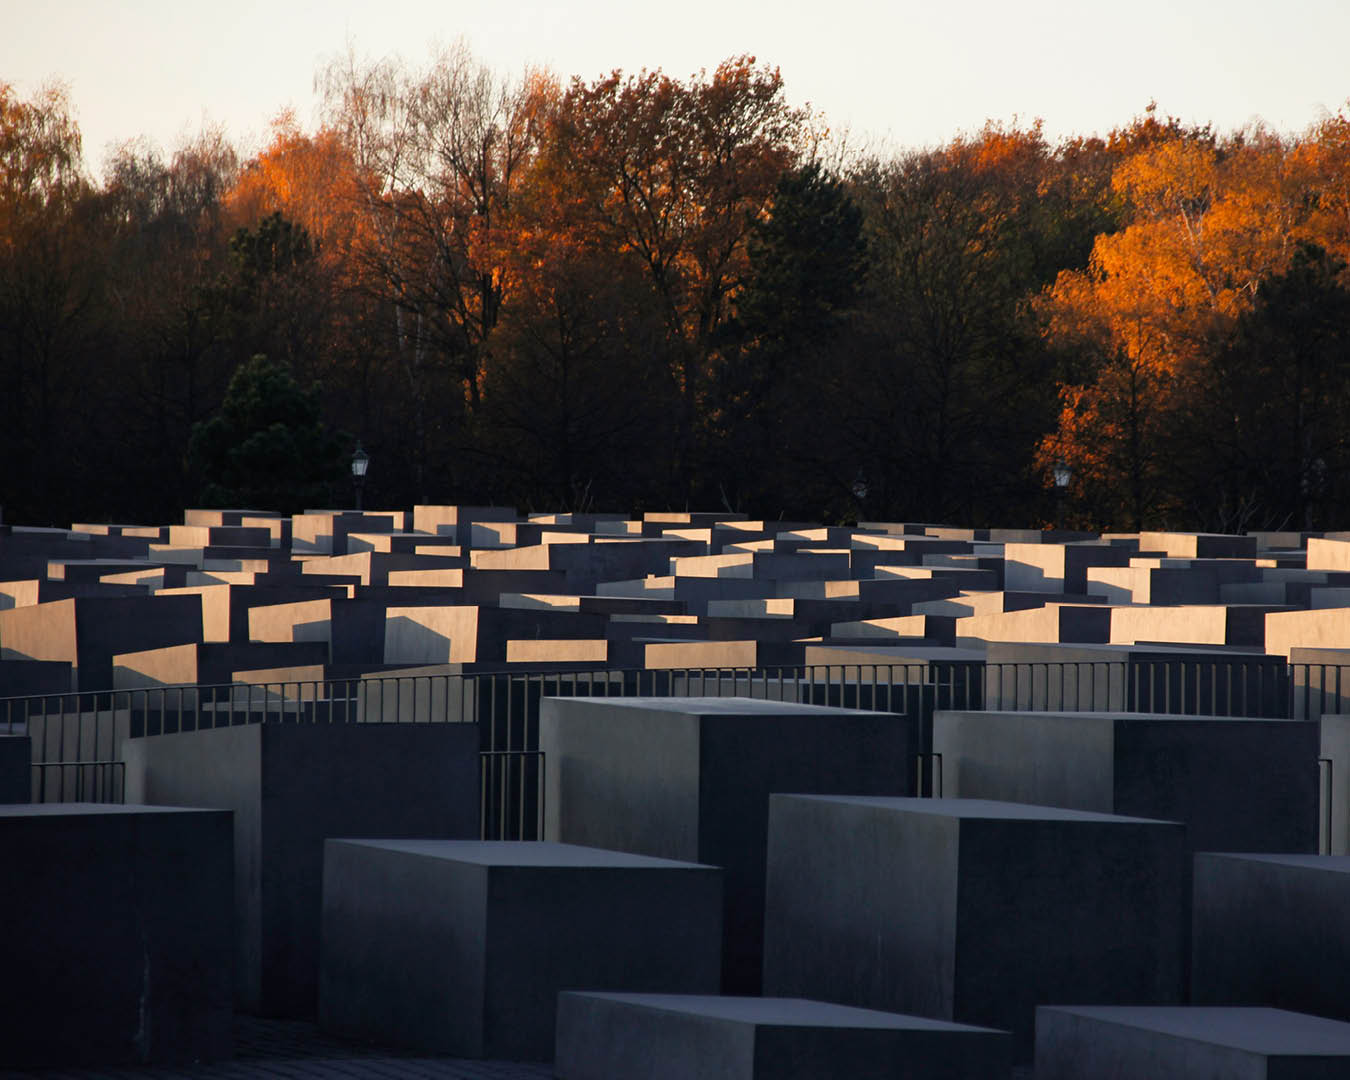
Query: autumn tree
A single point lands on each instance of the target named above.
(301, 188)
(1324, 155)
(672, 177)
(642, 290)
(313, 181)
(309, 179)
(163, 366)
(574, 412)
(1207, 221)
(50, 279)
(439, 155)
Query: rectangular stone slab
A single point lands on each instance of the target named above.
(1188, 1043)
(292, 786)
(970, 910)
(16, 771)
(461, 947)
(676, 1037)
(1238, 784)
(1272, 930)
(690, 778)
(116, 926)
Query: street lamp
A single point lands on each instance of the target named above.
(360, 461)
(1063, 473)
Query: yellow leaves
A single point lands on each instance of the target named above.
(1014, 152)
(1172, 177)
(314, 181)
(40, 168)
(1208, 220)
(308, 179)
(1324, 157)
(1208, 223)
(39, 145)
(671, 176)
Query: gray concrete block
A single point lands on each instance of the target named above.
(115, 928)
(690, 778)
(1057, 568)
(88, 631)
(1239, 785)
(291, 786)
(1272, 930)
(969, 910)
(457, 521)
(462, 948)
(1335, 825)
(676, 1037)
(19, 678)
(210, 664)
(16, 768)
(1180, 545)
(1149, 1042)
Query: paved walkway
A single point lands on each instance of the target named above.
(296, 1050)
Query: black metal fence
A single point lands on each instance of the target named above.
(77, 738)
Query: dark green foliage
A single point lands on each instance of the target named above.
(950, 387)
(267, 448)
(272, 298)
(807, 263)
(806, 276)
(275, 247)
(576, 410)
(1273, 449)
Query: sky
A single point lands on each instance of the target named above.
(901, 74)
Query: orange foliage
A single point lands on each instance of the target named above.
(39, 159)
(1208, 221)
(311, 180)
(1325, 157)
(675, 175)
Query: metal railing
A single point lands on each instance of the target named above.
(511, 804)
(1239, 686)
(1317, 690)
(77, 737)
(79, 781)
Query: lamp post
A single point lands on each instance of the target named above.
(360, 461)
(1062, 474)
(859, 490)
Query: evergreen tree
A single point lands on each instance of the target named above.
(805, 277)
(268, 447)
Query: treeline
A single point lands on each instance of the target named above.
(639, 292)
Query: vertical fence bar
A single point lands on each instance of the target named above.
(61, 747)
(521, 826)
(1328, 817)
(483, 761)
(541, 794)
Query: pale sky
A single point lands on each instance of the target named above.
(910, 73)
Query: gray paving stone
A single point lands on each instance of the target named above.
(297, 1050)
